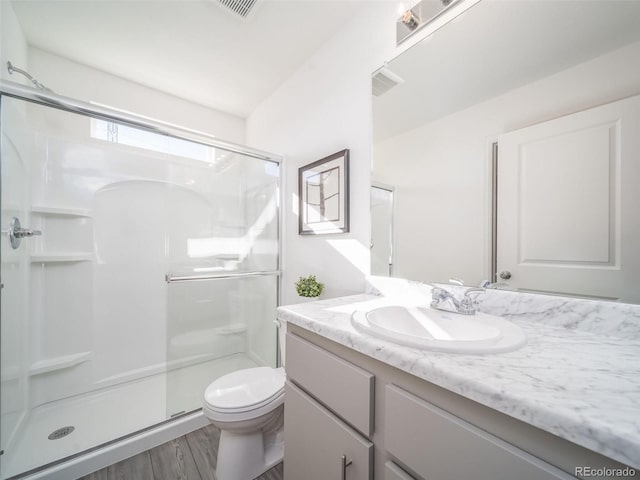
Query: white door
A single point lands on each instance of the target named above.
(569, 204)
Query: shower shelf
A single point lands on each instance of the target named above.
(61, 212)
(62, 257)
(59, 363)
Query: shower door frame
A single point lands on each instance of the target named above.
(135, 442)
(60, 102)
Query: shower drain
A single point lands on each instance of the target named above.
(60, 432)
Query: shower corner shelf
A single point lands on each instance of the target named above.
(59, 363)
(61, 211)
(62, 257)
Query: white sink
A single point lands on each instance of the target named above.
(424, 327)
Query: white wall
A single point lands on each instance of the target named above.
(75, 80)
(441, 169)
(13, 45)
(323, 108)
(81, 82)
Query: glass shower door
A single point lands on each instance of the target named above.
(74, 373)
(14, 273)
(223, 285)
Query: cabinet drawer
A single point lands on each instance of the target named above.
(344, 388)
(394, 472)
(437, 445)
(315, 441)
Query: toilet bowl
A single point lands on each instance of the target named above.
(248, 408)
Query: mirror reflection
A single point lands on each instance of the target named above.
(513, 157)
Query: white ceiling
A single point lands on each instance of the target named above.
(494, 47)
(189, 48)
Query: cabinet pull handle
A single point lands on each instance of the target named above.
(345, 464)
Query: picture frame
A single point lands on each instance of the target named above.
(323, 191)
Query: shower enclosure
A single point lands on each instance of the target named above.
(139, 262)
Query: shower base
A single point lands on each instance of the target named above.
(108, 414)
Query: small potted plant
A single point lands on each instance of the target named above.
(309, 287)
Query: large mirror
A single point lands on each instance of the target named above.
(509, 151)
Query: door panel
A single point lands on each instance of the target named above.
(317, 441)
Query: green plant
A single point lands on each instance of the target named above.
(309, 286)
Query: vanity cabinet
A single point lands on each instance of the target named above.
(343, 406)
(328, 416)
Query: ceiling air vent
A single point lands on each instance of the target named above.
(242, 8)
(384, 80)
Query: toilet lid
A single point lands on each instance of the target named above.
(245, 389)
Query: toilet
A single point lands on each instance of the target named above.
(248, 407)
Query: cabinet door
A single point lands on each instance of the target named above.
(344, 388)
(437, 445)
(316, 441)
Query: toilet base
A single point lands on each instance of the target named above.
(245, 456)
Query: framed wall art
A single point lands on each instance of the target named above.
(323, 189)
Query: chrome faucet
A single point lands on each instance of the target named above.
(442, 299)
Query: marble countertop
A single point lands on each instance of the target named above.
(579, 385)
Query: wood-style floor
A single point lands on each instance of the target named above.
(190, 457)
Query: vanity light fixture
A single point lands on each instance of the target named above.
(410, 19)
(421, 14)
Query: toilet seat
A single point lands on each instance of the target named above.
(245, 393)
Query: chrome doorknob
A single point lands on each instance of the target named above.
(505, 275)
(17, 233)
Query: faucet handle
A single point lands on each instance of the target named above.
(468, 303)
(438, 292)
(472, 291)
